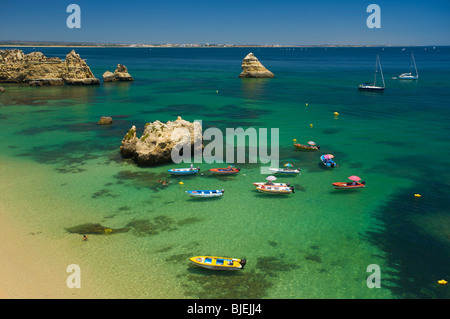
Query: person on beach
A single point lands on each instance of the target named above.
(85, 237)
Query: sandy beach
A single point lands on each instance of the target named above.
(33, 263)
(36, 250)
(29, 270)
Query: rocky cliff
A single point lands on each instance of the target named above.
(36, 69)
(158, 139)
(252, 68)
(120, 74)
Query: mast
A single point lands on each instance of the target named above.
(414, 60)
(376, 70)
(381, 71)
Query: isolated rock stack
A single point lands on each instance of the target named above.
(252, 68)
(120, 74)
(37, 69)
(158, 139)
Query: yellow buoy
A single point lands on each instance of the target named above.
(417, 195)
(217, 91)
(295, 140)
(336, 113)
(442, 282)
(306, 104)
(181, 183)
(310, 125)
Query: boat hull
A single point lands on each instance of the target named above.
(371, 88)
(330, 163)
(346, 185)
(306, 147)
(408, 77)
(224, 171)
(273, 184)
(218, 263)
(275, 190)
(205, 193)
(284, 171)
(183, 171)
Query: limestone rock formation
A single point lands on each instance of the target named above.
(37, 69)
(158, 139)
(120, 74)
(109, 77)
(252, 68)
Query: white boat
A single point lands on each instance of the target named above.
(410, 76)
(272, 184)
(373, 86)
(285, 170)
(275, 190)
(206, 193)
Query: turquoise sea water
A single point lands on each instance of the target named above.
(316, 243)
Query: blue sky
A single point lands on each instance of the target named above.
(285, 22)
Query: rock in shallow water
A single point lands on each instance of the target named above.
(158, 139)
(120, 74)
(252, 68)
(37, 69)
(105, 120)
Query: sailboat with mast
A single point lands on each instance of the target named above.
(410, 76)
(373, 86)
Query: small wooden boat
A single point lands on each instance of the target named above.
(307, 147)
(275, 189)
(219, 263)
(206, 193)
(272, 184)
(285, 170)
(328, 161)
(349, 185)
(184, 171)
(230, 170)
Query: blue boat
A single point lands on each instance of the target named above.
(206, 193)
(328, 161)
(184, 171)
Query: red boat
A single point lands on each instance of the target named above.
(230, 170)
(307, 147)
(349, 185)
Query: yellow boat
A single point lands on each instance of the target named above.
(219, 263)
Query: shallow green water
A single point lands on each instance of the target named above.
(316, 243)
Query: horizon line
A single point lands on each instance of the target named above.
(28, 43)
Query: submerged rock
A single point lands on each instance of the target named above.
(158, 139)
(105, 120)
(2, 89)
(120, 74)
(252, 68)
(37, 69)
(96, 229)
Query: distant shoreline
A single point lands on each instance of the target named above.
(179, 46)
